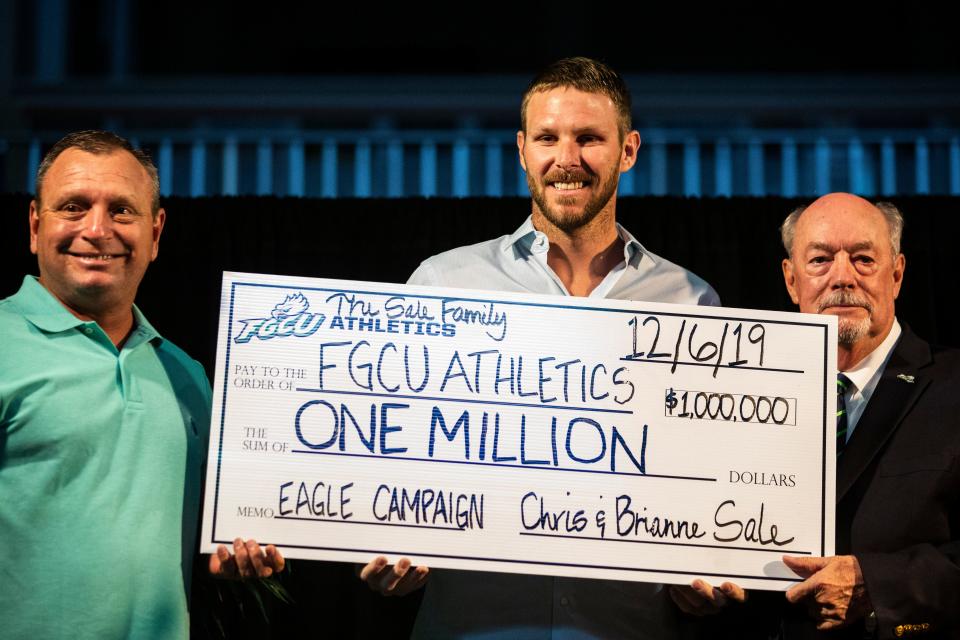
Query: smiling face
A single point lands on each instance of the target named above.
(842, 263)
(93, 231)
(572, 152)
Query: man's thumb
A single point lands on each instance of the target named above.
(804, 567)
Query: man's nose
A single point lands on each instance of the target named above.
(98, 223)
(568, 154)
(843, 274)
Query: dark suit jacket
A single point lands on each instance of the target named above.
(898, 504)
(898, 493)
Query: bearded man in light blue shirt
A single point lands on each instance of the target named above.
(575, 141)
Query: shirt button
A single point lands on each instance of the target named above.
(565, 601)
(87, 330)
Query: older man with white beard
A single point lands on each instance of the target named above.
(897, 568)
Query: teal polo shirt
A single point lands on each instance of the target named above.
(101, 453)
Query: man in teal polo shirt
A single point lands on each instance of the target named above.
(103, 423)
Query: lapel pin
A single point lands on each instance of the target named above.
(906, 378)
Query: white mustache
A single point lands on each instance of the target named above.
(843, 298)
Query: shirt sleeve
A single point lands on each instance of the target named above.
(424, 275)
(709, 298)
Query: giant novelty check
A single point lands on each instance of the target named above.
(521, 433)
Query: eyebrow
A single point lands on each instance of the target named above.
(81, 197)
(126, 202)
(591, 129)
(65, 198)
(579, 131)
(544, 127)
(829, 248)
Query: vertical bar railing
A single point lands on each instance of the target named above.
(428, 168)
(821, 171)
(329, 169)
(722, 169)
(493, 166)
(856, 168)
(658, 168)
(691, 168)
(922, 165)
(231, 167)
(756, 176)
(398, 163)
(296, 168)
(362, 169)
(394, 169)
(165, 166)
(888, 167)
(198, 168)
(461, 168)
(264, 186)
(788, 168)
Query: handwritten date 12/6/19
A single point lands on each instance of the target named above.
(743, 346)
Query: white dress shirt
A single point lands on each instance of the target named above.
(865, 375)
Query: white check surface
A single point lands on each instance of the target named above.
(521, 433)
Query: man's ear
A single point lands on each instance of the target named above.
(520, 141)
(899, 266)
(628, 158)
(159, 219)
(790, 279)
(34, 225)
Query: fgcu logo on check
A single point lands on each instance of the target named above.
(288, 318)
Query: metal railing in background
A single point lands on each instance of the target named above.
(476, 162)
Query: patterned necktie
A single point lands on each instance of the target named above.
(843, 383)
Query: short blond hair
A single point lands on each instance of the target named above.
(587, 75)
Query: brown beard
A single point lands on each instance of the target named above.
(590, 210)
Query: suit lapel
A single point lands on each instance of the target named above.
(900, 385)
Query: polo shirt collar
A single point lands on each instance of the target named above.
(633, 251)
(45, 312)
(143, 326)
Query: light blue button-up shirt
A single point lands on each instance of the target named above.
(474, 604)
(518, 262)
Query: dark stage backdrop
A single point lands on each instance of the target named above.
(733, 243)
